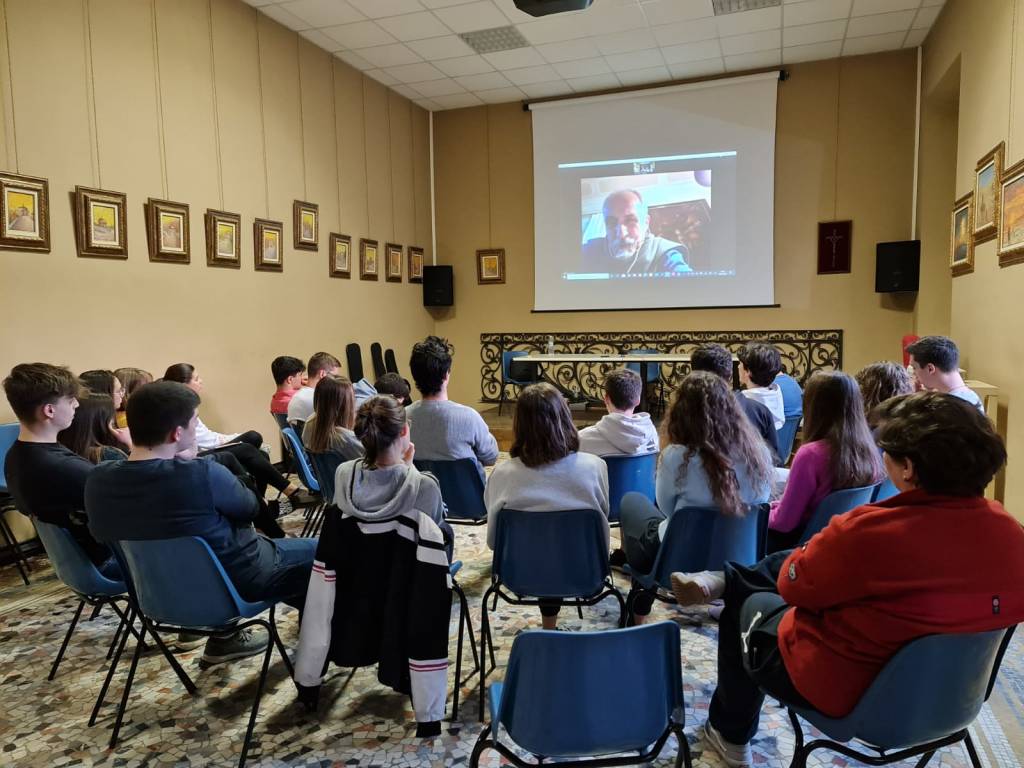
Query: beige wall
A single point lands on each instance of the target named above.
(844, 149)
(203, 102)
(984, 43)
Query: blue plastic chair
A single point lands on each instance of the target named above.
(465, 623)
(787, 436)
(8, 436)
(588, 694)
(923, 699)
(836, 503)
(629, 474)
(699, 539)
(559, 554)
(325, 466)
(462, 489)
(653, 371)
(179, 584)
(884, 490)
(315, 516)
(507, 356)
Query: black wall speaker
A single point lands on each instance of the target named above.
(897, 266)
(438, 286)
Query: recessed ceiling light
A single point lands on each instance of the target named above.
(495, 39)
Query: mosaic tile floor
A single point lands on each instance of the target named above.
(360, 723)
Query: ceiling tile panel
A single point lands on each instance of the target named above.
(464, 65)
(472, 16)
(447, 47)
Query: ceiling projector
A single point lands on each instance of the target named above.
(546, 7)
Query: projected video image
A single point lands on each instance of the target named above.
(646, 224)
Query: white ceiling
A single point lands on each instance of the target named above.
(412, 45)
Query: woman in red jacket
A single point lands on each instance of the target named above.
(815, 626)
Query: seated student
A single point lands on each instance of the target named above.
(816, 625)
(759, 365)
(715, 358)
(440, 428)
(792, 395)
(46, 480)
(712, 458)
(197, 497)
(131, 379)
(621, 432)
(107, 383)
(837, 452)
(329, 429)
(92, 434)
(394, 385)
(287, 373)
(300, 407)
(935, 361)
(546, 473)
(879, 382)
(380, 592)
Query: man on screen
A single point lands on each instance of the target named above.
(628, 246)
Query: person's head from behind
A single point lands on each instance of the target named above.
(431, 365)
(394, 385)
(622, 389)
(287, 372)
(334, 405)
(834, 412)
(542, 426)
(382, 429)
(184, 373)
(92, 428)
(163, 413)
(131, 379)
(706, 419)
(940, 444)
(713, 358)
(104, 382)
(321, 364)
(760, 363)
(931, 357)
(880, 381)
(43, 395)
(625, 223)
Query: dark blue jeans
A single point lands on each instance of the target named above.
(289, 579)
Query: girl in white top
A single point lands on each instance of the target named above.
(546, 472)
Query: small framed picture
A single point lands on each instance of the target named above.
(223, 244)
(835, 243)
(368, 259)
(393, 263)
(961, 242)
(100, 222)
(306, 225)
(341, 256)
(987, 177)
(1011, 216)
(25, 206)
(268, 246)
(415, 256)
(490, 266)
(167, 231)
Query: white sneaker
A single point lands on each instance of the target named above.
(698, 588)
(734, 755)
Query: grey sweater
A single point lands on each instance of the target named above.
(443, 430)
(343, 441)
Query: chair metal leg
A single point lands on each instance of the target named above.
(67, 638)
(127, 688)
(799, 756)
(117, 634)
(458, 652)
(482, 743)
(579, 608)
(12, 541)
(259, 694)
(972, 752)
(96, 610)
(924, 759)
(622, 604)
(178, 670)
(683, 758)
(485, 640)
(280, 645)
(472, 643)
(501, 400)
(111, 671)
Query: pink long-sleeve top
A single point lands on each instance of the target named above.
(810, 481)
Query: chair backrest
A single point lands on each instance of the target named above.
(305, 470)
(507, 356)
(325, 466)
(461, 487)
(626, 474)
(551, 554)
(836, 503)
(389, 361)
(377, 358)
(787, 436)
(281, 419)
(884, 490)
(181, 582)
(579, 694)
(653, 369)
(8, 436)
(354, 360)
(72, 565)
(703, 539)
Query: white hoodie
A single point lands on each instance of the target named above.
(617, 434)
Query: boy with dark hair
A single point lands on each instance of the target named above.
(440, 429)
(46, 480)
(935, 361)
(714, 358)
(287, 372)
(621, 432)
(394, 385)
(321, 364)
(196, 497)
(759, 364)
